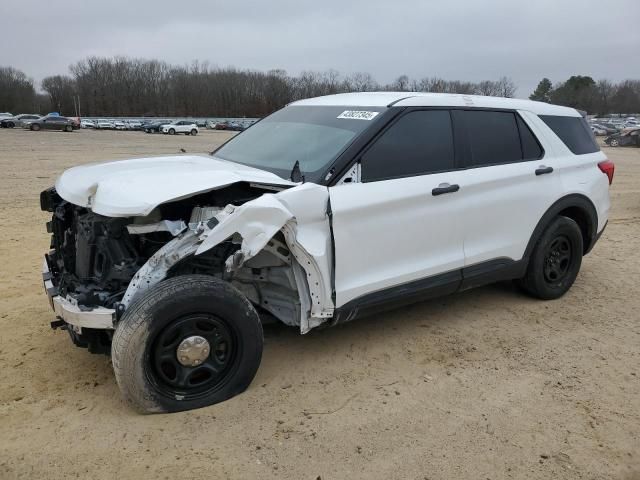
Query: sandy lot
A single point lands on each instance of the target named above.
(484, 384)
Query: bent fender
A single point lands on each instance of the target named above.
(301, 214)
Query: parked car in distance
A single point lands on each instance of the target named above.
(597, 130)
(624, 139)
(327, 210)
(608, 128)
(188, 127)
(51, 123)
(134, 124)
(154, 126)
(85, 123)
(102, 124)
(120, 125)
(18, 120)
(221, 126)
(6, 115)
(236, 126)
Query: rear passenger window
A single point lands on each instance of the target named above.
(574, 133)
(531, 149)
(418, 143)
(493, 137)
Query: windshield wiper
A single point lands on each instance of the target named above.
(296, 175)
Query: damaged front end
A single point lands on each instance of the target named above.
(274, 247)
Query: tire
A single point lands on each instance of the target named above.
(35, 127)
(68, 128)
(614, 143)
(145, 345)
(194, 132)
(10, 124)
(172, 131)
(555, 261)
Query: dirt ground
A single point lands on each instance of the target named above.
(483, 384)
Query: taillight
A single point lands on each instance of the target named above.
(608, 168)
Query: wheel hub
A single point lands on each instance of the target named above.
(193, 351)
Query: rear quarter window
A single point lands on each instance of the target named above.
(574, 133)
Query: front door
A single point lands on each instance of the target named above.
(399, 225)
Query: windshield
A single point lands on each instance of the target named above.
(311, 135)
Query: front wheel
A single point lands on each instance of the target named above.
(555, 261)
(614, 143)
(188, 342)
(172, 131)
(194, 132)
(68, 128)
(35, 127)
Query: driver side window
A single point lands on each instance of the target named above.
(419, 143)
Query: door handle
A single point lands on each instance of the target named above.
(444, 188)
(542, 170)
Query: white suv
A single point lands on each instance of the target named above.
(327, 210)
(187, 127)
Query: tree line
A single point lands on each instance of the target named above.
(597, 97)
(122, 86)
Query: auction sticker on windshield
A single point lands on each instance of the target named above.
(358, 115)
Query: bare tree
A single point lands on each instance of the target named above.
(361, 82)
(16, 91)
(506, 87)
(61, 90)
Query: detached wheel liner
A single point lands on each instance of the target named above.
(189, 342)
(555, 261)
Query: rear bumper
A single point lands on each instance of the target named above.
(66, 309)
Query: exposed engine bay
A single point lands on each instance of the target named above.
(98, 261)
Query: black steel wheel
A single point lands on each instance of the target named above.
(555, 261)
(192, 355)
(188, 342)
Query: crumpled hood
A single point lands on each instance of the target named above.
(135, 187)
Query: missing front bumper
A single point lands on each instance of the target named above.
(99, 318)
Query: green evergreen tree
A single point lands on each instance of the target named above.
(542, 93)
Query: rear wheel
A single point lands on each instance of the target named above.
(35, 127)
(11, 124)
(614, 142)
(189, 342)
(555, 261)
(194, 131)
(68, 128)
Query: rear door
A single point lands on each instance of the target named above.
(511, 181)
(400, 223)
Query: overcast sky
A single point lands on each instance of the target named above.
(453, 39)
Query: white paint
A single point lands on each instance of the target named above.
(135, 187)
(392, 232)
(174, 227)
(301, 214)
(426, 99)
